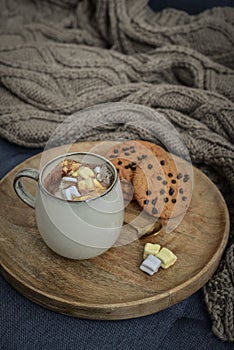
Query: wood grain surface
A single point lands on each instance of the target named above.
(111, 286)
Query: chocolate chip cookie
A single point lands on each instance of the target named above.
(161, 187)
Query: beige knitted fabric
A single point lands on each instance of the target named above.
(60, 56)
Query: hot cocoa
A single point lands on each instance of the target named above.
(76, 181)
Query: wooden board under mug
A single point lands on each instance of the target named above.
(111, 286)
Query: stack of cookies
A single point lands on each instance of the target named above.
(160, 184)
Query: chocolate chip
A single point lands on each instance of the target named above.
(148, 193)
(144, 156)
(171, 191)
(184, 198)
(173, 200)
(116, 150)
(181, 190)
(119, 162)
(117, 170)
(173, 181)
(146, 201)
(164, 182)
(113, 156)
(162, 162)
(179, 176)
(162, 191)
(154, 211)
(154, 201)
(127, 166)
(132, 166)
(186, 177)
(165, 199)
(159, 178)
(133, 151)
(131, 147)
(125, 149)
(139, 158)
(170, 175)
(127, 154)
(150, 166)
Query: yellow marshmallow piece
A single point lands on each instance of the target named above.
(89, 183)
(151, 248)
(97, 184)
(82, 185)
(167, 257)
(85, 172)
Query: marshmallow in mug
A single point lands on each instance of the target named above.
(74, 180)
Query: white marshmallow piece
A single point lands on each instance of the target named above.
(97, 169)
(150, 265)
(99, 177)
(69, 179)
(74, 191)
(71, 192)
(67, 194)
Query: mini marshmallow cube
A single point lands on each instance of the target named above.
(167, 257)
(89, 184)
(82, 185)
(151, 248)
(74, 191)
(97, 169)
(150, 265)
(71, 192)
(97, 184)
(69, 179)
(99, 177)
(67, 194)
(85, 172)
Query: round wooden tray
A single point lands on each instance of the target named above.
(111, 286)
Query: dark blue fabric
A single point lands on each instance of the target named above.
(189, 6)
(25, 325)
(11, 155)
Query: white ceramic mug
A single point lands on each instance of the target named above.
(75, 229)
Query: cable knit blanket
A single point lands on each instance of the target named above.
(60, 56)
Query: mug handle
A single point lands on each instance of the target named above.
(21, 192)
